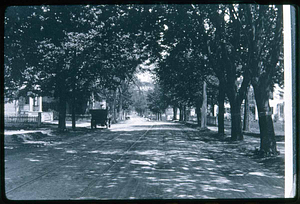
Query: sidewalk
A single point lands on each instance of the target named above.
(253, 132)
(250, 143)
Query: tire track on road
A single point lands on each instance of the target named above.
(92, 183)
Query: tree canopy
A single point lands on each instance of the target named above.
(72, 51)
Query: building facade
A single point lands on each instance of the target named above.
(24, 106)
(27, 106)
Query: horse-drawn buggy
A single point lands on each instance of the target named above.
(99, 117)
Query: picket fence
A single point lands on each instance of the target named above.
(21, 119)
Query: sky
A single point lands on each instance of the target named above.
(146, 75)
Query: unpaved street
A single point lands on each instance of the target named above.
(137, 159)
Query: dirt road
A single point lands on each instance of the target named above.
(137, 159)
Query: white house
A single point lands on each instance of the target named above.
(27, 106)
(23, 106)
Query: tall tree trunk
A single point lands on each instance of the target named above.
(184, 113)
(73, 115)
(120, 105)
(73, 106)
(221, 99)
(180, 112)
(174, 113)
(188, 113)
(73, 78)
(204, 107)
(114, 119)
(235, 93)
(246, 122)
(198, 111)
(267, 133)
(62, 100)
(62, 113)
(236, 123)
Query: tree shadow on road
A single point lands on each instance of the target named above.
(247, 148)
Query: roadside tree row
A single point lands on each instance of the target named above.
(226, 48)
(200, 51)
(71, 52)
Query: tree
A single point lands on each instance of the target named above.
(251, 50)
(53, 49)
(179, 75)
(246, 121)
(182, 69)
(224, 42)
(156, 102)
(72, 50)
(139, 94)
(263, 29)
